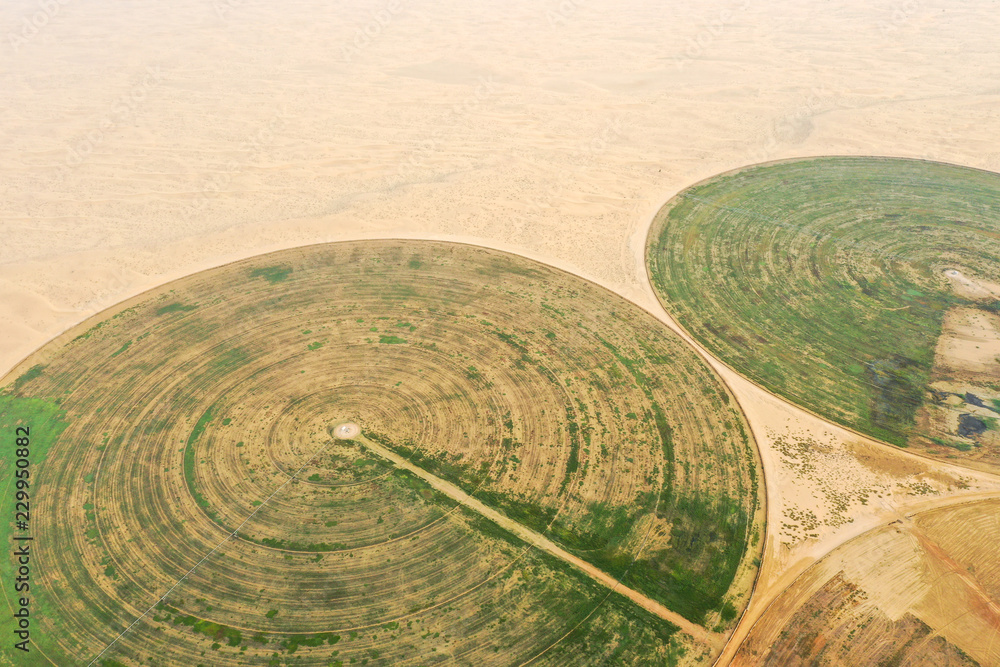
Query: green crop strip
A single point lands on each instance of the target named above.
(190, 460)
(124, 347)
(176, 307)
(272, 274)
(217, 631)
(46, 421)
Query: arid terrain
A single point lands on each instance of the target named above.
(920, 591)
(142, 143)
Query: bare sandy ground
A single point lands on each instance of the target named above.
(974, 289)
(970, 344)
(140, 142)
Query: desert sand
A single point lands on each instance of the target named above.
(141, 142)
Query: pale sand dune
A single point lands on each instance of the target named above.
(550, 128)
(142, 141)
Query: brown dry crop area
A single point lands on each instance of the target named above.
(198, 476)
(923, 590)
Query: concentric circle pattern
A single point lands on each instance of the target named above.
(190, 462)
(864, 289)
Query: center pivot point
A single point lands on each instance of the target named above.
(347, 431)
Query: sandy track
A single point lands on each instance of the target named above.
(531, 537)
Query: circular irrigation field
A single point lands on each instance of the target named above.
(265, 464)
(866, 290)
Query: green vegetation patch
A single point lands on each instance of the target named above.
(695, 574)
(45, 421)
(823, 280)
(210, 629)
(175, 307)
(26, 377)
(272, 274)
(124, 347)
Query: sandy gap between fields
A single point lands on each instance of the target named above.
(715, 641)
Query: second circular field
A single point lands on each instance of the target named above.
(864, 289)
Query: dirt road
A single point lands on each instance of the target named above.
(541, 542)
